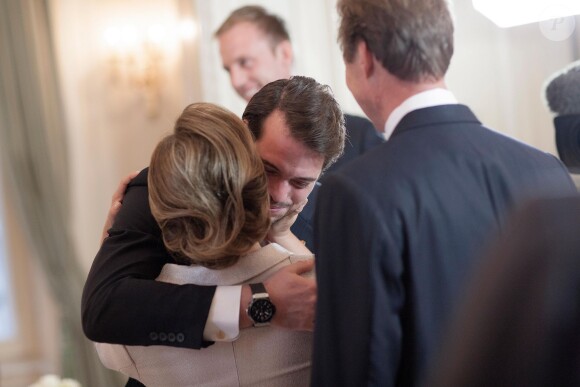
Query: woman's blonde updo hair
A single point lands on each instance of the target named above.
(207, 188)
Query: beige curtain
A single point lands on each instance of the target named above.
(34, 157)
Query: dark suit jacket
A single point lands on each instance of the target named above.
(520, 320)
(418, 211)
(121, 304)
(361, 136)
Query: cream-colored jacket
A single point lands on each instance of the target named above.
(259, 357)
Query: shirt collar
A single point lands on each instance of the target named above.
(433, 97)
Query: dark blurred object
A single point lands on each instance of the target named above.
(134, 383)
(563, 90)
(520, 324)
(568, 140)
(562, 93)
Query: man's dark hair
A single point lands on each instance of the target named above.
(313, 116)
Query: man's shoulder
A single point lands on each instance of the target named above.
(135, 213)
(359, 125)
(140, 179)
(357, 121)
(361, 137)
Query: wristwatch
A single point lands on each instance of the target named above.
(261, 309)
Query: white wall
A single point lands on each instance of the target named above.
(110, 133)
(500, 74)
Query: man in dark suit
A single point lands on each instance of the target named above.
(255, 49)
(418, 209)
(123, 304)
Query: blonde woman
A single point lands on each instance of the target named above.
(209, 194)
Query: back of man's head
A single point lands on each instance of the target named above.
(413, 39)
(313, 116)
(273, 26)
(562, 92)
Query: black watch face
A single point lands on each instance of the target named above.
(262, 310)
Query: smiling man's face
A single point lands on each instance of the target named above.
(251, 60)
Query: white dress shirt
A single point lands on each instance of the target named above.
(433, 97)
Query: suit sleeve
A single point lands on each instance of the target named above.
(367, 136)
(303, 227)
(371, 137)
(358, 289)
(123, 304)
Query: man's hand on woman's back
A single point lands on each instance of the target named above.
(116, 201)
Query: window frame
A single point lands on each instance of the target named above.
(33, 350)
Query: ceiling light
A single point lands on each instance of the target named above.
(510, 13)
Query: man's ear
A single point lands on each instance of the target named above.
(284, 51)
(365, 58)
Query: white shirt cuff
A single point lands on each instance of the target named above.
(224, 314)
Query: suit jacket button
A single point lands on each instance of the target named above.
(171, 337)
(180, 337)
(163, 336)
(153, 336)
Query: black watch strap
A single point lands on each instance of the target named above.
(258, 288)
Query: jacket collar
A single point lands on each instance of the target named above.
(427, 98)
(436, 115)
